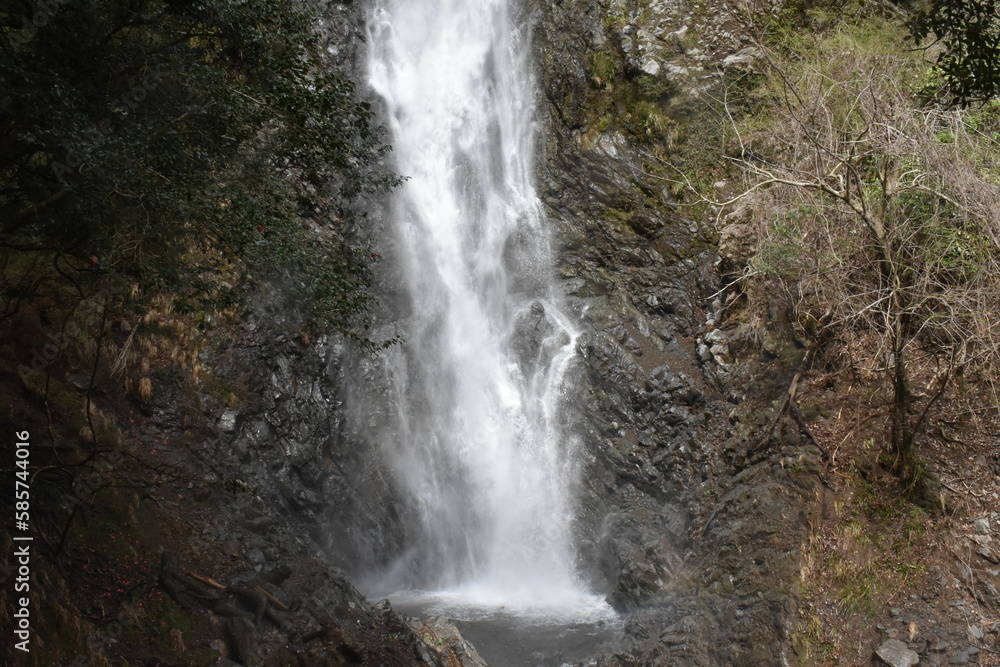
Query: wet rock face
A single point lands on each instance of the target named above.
(261, 485)
(644, 395)
(296, 462)
(704, 555)
(536, 339)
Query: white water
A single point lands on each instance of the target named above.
(480, 447)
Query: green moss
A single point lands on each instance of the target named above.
(630, 101)
(880, 535)
(614, 21)
(167, 614)
(226, 392)
(108, 435)
(603, 67)
(206, 656)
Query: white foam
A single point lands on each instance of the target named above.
(480, 447)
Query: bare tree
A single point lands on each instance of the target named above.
(875, 211)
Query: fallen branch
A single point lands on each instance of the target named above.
(273, 600)
(797, 414)
(205, 580)
(789, 404)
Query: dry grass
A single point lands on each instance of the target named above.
(145, 388)
(870, 549)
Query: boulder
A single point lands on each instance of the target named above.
(445, 639)
(896, 654)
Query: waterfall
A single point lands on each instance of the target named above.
(477, 443)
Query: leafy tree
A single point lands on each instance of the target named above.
(969, 30)
(185, 146)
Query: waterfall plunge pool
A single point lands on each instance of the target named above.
(522, 633)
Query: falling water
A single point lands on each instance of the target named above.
(480, 447)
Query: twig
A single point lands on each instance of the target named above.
(93, 373)
(120, 361)
(797, 415)
(793, 388)
(273, 600)
(205, 580)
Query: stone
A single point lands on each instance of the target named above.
(742, 59)
(982, 540)
(243, 642)
(227, 422)
(716, 336)
(80, 381)
(896, 654)
(988, 554)
(975, 632)
(981, 526)
(443, 637)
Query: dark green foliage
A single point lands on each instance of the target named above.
(970, 33)
(184, 146)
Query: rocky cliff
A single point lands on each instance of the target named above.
(230, 507)
(704, 554)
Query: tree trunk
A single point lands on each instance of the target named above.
(904, 462)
